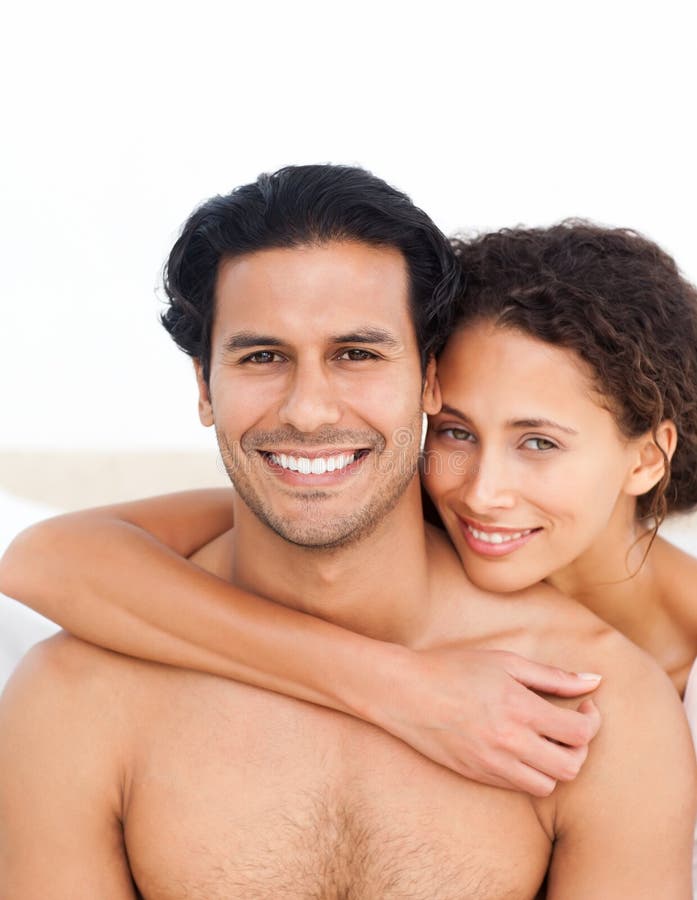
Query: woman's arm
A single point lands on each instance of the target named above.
(117, 577)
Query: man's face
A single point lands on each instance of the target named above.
(316, 390)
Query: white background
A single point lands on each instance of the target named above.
(117, 118)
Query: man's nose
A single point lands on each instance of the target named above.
(311, 400)
(489, 483)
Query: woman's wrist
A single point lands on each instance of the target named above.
(374, 677)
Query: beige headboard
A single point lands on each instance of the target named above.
(69, 480)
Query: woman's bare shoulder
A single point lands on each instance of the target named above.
(677, 577)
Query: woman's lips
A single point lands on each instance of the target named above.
(490, 541)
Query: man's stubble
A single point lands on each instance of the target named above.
(393, 471)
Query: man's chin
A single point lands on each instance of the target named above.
(317, 518)
(321, 534)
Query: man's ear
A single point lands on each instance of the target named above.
(205, 410)
(650, 463)
(431, 398)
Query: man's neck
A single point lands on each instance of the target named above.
(377, 585)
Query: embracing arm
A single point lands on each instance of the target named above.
(117, 577)
(625, 827)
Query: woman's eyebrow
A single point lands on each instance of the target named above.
(453, 411)
(539, 423)
(515, 423)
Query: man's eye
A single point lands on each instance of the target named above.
(458, 434)
(262, 356)
(355, 354)
(539, 443)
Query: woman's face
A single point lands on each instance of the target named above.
(525, 465)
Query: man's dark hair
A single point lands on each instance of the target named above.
(619, 302)
(301, 205)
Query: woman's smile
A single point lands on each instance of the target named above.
(494, 541)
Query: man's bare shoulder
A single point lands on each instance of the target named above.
(62, 784)
(64, 661)
(635, 691)
(76, 688)
(59, 713)
(73, 691)
(638, 788)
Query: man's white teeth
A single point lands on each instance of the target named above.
(497, 537)
(317, 466)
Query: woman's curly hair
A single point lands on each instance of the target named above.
(619, 302)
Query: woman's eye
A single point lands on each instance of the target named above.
(458, 434)
(262, 356)
(355, 354)
(538, 443)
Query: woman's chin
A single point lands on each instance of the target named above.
(498, 576)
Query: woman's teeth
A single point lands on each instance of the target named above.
(497, 537)
(317, 466)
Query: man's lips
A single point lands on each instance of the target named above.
(494, 540)
(314, 464)
(314, 453)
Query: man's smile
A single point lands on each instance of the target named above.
(314, 463)
(316, 467)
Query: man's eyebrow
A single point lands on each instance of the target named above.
(243, 340)
(515, 423)
(367, 336)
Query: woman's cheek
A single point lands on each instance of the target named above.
(445, 472)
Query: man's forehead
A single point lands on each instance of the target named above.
(316, 260)
(334, 291)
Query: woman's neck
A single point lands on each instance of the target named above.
(624, 579)
(615, 578)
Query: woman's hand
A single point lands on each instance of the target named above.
(476, 712)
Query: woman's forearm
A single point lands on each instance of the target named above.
(109, 582)
(163, 608)
(182, 521)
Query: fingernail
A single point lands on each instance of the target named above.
(589, 676)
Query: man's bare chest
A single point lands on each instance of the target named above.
(236, 793)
